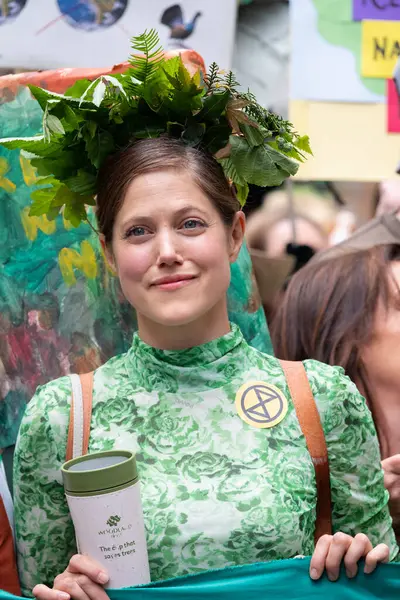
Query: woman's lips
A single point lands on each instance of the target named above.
(174, 283)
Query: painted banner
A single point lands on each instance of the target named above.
(94, 33)
(393, 107)
(326, 55)
(61, 309)
(385, 10)
(380, 48)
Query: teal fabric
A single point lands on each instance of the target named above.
(285, 579)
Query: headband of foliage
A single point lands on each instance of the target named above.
(154, 97)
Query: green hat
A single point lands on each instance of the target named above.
(154, 97)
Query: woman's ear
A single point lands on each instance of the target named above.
(237, 235)
(108, 254)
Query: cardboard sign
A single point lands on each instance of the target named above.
(393, 107)
(380, 48)
(379, 10)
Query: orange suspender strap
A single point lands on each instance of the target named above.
(310, 423)
(83, 427)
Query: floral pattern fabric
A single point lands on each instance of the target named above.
(215, 491)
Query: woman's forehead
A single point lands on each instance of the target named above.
(163, 191)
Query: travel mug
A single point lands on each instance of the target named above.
(103, 495)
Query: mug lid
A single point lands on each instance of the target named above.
(99, 471)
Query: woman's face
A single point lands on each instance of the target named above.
(381, 357)
(171, 250)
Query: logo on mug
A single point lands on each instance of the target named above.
(113, 520)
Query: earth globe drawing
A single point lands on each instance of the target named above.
(92, 15)
(9, 9)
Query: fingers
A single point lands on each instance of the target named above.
(317, 565)
(42, 592)
(82, 588)
(85, 565)
(83, 579)
(330, 551)
(341, 542)
(379, 554)
(392, 464)
(360, 546)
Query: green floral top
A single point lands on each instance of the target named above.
(215, 490)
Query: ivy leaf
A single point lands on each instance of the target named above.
(303, 143)
(42, 200)
(116, 83)
(61, 167)
(216, 137)
(83, 183)
(91, 127)
(193, 134)
(213, 106)
(260, 165)
(54, 124)
(36, 145)
(253, 134)
(283, 162)
(75, 212)
(99, 93)
(78, 88)
(44, 96)
(99, 147)
(242, 191)
(231, 173)
(72, 118)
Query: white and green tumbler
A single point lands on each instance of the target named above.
(103, 495)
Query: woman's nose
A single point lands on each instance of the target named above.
(168, 251)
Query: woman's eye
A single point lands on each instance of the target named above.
(192, 224)
(136, 232)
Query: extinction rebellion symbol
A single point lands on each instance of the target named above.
(261, 404)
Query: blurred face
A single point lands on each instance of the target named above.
(172, 252)
(281, 234)
(382, 356)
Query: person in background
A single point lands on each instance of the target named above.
(344, 310)
(389, 197)
(308, 222)
(8, 568)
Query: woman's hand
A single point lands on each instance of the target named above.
(83, 579)
(332, 549)
(391, 469)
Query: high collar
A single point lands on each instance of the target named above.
(169, 370)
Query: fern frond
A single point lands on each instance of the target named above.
(213, 77)
(147, 55)
(230, 82)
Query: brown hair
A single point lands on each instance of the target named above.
(159, 154)
(329, 308)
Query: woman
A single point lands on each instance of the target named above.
(345, 310)
(215, 490)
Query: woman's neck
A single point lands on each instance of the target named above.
(209, 327)
(385, 406)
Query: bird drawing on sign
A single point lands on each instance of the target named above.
(172, 17)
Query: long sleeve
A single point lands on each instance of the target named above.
(44, 531)
(359, 498)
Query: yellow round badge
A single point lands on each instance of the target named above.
(261, 404)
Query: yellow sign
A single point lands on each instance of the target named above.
(380, 48)
(261, 404)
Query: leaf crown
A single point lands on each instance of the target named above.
(154, 96)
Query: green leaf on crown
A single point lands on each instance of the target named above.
(155, 96)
